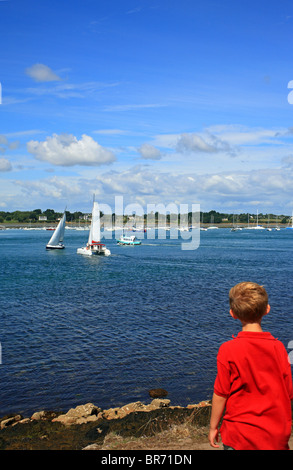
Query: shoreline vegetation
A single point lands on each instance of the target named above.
(135, 426)
(38, 218)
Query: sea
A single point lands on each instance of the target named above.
(106, 330)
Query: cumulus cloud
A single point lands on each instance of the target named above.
(42, 73)
(234, 188)
(195, 143)
(5, 165)
(224, 191)
(51, 188)
(149, 152)
(5, 144)
(66, 150)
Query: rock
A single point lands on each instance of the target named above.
(118, 413)
(24, 421)
(92, 447)
(115, 413)
(10, 421)
(43, 415)
(158, 403)
(80, 415)
(200, 404)
(158, 393)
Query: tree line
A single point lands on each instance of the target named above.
(211, 217)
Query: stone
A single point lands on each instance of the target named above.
(158, 393)
(200, 404)
(159, 403)
(10, 421)
(43, 415)
(118, 413)
(80, 415)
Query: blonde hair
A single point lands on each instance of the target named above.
(248, 301)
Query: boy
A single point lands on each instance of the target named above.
(254, 380)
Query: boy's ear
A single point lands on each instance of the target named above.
(233, 314)
(268, 309)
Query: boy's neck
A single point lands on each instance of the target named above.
(256, 327)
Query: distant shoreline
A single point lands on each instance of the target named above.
(73, 225)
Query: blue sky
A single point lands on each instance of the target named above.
(158, 101)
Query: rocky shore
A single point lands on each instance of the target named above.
(88, 427)
(132, 427)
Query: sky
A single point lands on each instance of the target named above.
(155, 101)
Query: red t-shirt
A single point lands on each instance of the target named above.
(254, 374)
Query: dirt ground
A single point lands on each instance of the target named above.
(179, 437)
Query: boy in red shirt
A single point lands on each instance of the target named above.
(254, 380)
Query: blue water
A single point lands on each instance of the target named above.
(107, 329)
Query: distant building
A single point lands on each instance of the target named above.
(42, 218)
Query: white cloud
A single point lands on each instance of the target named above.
(195, 143)
(51, 188)
(5, 165)
(149, 152)
(227, 191)
(217, 190)
(6, 145)
(66, 150)
(41, 73)
(242, 135)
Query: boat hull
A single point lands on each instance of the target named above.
(55, 247)
(122, 242)
(93, 251)
(132, 240)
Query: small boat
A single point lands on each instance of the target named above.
(235, 228)
(138, 229)
(56, 241)
(290, 227)
(94, 246)
(132, 240)
(257, 227)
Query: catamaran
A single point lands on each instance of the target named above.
(56, 241)
(94, 246)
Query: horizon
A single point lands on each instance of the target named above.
(188, 102)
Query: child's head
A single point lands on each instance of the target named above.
(248, 302)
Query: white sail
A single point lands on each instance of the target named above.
(94, 246)
(95, 232)
(58, 234)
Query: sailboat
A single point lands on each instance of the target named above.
(94, 246)
(56, 241)
(290, 227)
(235, 228)
(257, 227)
